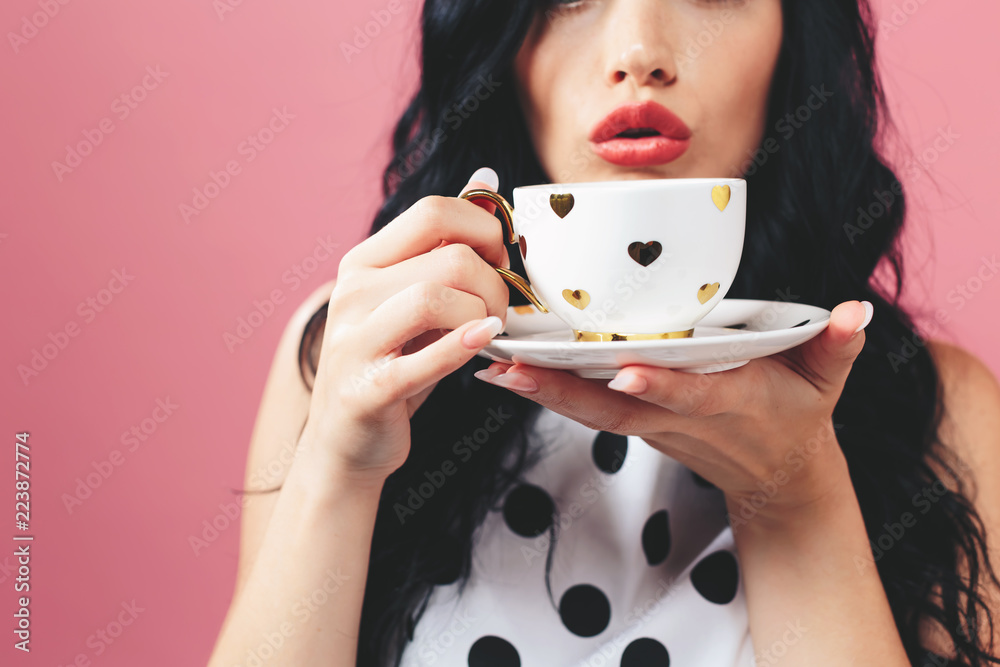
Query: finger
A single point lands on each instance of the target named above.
(455, 265)
(587, 401)
(421, 307)
(424, 226)
(484, 179)
(415, 371)
(826, 360)
(687, 394)
(487, 179)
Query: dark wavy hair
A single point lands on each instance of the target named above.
(806, 240)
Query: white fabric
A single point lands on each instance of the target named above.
(601, 545)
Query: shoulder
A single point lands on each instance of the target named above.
(285, 399)
(971, 398)
(970, 429)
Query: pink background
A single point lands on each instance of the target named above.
(161, 336)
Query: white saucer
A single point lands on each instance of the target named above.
(736, 331)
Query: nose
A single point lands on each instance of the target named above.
(640, 44)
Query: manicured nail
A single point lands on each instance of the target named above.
(481, 333)
(869, 309)
(487, 374)
(515, 381)
(630, 383)
(487, 176)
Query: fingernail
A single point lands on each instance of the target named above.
(487, 176)
(487, 374)
(869, 310)
(515, 381)
(630, 383)
(481, 333)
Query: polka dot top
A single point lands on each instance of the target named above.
(644, 569)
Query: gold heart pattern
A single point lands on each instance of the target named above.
(523, 244)
(706, 291)
(577, 298)
(645, 253)
(561, 204)
(720, 195)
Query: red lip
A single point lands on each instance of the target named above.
(668, 136)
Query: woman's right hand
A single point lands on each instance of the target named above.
(386, 343)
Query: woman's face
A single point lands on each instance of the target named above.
(709, 62)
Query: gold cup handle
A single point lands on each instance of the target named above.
(507, 216)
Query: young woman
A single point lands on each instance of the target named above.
(830, 505)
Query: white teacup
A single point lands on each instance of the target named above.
(626, 260)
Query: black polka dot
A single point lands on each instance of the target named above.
(701, 481)
(490, 651)
(528, 510)
(716, 577)
(645, 652)
(656, 537)
(609, 451)
(585, 610)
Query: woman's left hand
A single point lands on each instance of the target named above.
(764, 425)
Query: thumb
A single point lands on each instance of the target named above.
(828, 357)
(486, 179)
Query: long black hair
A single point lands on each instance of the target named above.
(826, 210)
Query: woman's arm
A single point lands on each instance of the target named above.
(817, 561)
(302, 597)
(413, 303)
(814, 596)
(292, 574)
